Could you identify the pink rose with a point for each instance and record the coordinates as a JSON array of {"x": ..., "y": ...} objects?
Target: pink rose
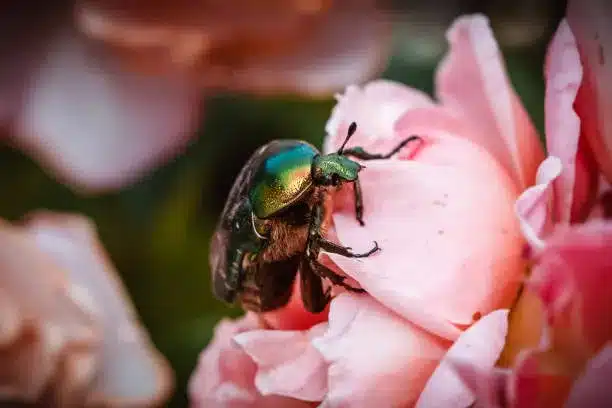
[
  {"x": 69, "y": 334},
  {"x": 443, "y": 213},
  {"x": 100, "y": 92},
  {"x": 558, "y": 347}
]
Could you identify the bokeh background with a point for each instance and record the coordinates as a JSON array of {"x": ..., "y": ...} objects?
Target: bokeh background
[{"x": 157, "y": 230}]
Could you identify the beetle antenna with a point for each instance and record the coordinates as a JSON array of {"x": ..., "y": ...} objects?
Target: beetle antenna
[{"x": 351, "y": 131}]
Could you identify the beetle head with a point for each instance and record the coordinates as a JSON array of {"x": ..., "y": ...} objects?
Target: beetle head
[{"x": 334, "y": 169}]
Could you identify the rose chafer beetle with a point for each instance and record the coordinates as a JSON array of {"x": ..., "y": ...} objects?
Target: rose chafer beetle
[{"x": 273, "y": 222}]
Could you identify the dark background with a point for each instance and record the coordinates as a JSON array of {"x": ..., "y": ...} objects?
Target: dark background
[{"x": 157, "y": 231}]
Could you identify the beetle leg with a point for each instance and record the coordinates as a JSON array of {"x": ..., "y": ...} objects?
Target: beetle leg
[
  {"x": 358, "y": 202},
  {"x": 334, "y": 278},
  {"x": 312, "y": 248},
  {"x": 359, "y": 153},
  {"x": 311, "y": 288},
  {"x": 317, "y": 242},
  {"x": 344, "y": 251},
  {"x": 230, "y": 284}
]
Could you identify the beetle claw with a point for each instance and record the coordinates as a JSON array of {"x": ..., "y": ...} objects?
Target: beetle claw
[{"x": 370, "y": 252}]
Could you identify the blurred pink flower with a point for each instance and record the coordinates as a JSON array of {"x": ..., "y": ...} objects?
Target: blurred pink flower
[
  {"x": 101, "y": 92},
  {"x": 69, "y": 334},
  {"x": 443, "y": 266}
]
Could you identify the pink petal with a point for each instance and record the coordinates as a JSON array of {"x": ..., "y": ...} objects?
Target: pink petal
[
  {"x": 23, "y": 36},
  {"x": 225, "y": 374},
  {"x": 375, "y": 108},
  {"x": 12, "y": 324},
  {"x": 377, "y": 359},
  {"x": 534, "y": 207},
  {"x": 573, "y": 277},
  {"x": 131, "y": 370},
  {"x": 441, "y": 262},
  {"x": 472, "y": 80},
  {"x": 537, "y": 380},
  {"x": 479, "y": 346},
  {"x": 42, "y": 321},
  {"x": 334, "y": 56},
  {"x": 563, "y": 77},
  {"x": 603, "y": 204},
  {"x": 287, "y": 363},
  {"x": 294, "y": 316},
  {"x": 488, "y": 386},
  {"x": 589, "y": 22},
  {"x": 592, "y": 389},
  {"x": 99, "y": 127}
]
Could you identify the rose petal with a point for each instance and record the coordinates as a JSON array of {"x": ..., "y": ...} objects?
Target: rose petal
[
  {"x": 603, "y": 204},
  {"x": 294, "y": 316},
  {"x": 22, "y": 36},
  {"x": 69, "y": 380},
  {"x": 534, "y": 207},
  {"x": 187, "y": 35},
  {"x": 526, "y": 328},
  {"x": 592, "y": 389},
  {"x": 577, "y": 182},
  {"x": 132, "y": 371},
  {"x": 376, "y": 358},
  {"x": 433, "y": 242},
  {"x": 225, "y": 374},
  {"x": 287, "y": 364},
  {"x": 10, "y": 319},
  {"x": 334, "y": 56},
  {"x": 573, "y": 278},
  {"x": 51, "y": 320},
  {"x": 539, "y": 379},
  {"x": 97, "y": 126},
  {"x": 479, "y": 346},
  {"x": 488, "y": 386},
  {"x": 273, "y": 47},
  {"x": 375, "y": 108},
  {"x": 589, "y": 22},
  {"x": 472, "y": 80}
]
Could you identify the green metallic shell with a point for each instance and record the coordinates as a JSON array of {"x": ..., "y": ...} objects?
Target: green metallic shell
[
  {"x": 235, "y": 232},
  {"x": 283, "y": 178}
]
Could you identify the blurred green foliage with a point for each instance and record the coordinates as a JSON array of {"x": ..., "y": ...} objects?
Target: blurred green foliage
[{"x": 158, "y": 230}]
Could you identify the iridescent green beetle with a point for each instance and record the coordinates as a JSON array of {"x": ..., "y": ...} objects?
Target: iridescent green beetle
[{"x": 273, "y": 221}]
